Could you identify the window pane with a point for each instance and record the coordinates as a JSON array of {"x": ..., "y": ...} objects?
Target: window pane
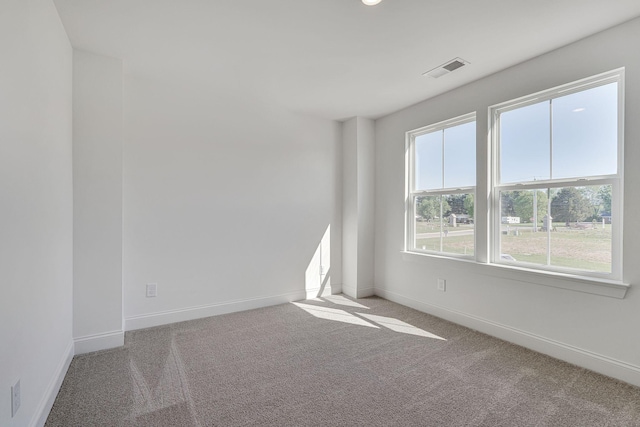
[
  {"x": 460, "y": 156},
  {"x": 523, "y": 225},
  {"x": 578, "y": 236},
  {"x": 524, "y": 144},
  {"x": 428, "y": 167},
  {"x": 445, "y": 224},
  {"x": 585, "y": 133},
  {"x": 458, "y": 230},
  {"x": 428, "y": 226},
  {"x": 581, "y": 237}
]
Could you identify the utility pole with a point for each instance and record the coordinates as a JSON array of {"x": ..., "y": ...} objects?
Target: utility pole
[{"x": 535, "y": 209}]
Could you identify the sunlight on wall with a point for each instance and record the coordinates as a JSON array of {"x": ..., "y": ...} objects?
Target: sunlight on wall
[{"x": 317, "y": 278}]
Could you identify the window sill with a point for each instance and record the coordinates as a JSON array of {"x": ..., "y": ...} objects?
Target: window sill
[{"x": 590, "y": 285}]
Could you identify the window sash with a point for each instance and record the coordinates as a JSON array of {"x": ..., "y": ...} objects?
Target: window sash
[
  {"x": 615, "y": 76},
  {"x": 615, "y": 180},
  {"x": 444, "y": 191},
  {"x": 411, "y": 137},
  {"x": 411, "y": 224},
  {"x": 558, "y": 183},
  {"x": 497, "y": 248},
  {"x": 412, "y": 193}
]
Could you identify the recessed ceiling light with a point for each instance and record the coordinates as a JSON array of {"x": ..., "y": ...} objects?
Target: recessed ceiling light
[
  {"x": 371, "y": 2},
  {"x": 579, "y": 110}
]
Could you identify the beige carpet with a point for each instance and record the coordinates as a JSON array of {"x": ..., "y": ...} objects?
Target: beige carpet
[{"x": 332, "y": 362}]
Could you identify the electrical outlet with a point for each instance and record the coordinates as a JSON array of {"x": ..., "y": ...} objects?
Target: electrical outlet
[
  {"x": 15, "y": 398},
  {"x": 442, "y": 285},
  {"x": 152, "y": 290}
]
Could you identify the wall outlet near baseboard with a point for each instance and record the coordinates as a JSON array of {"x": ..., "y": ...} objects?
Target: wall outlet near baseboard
[
  {"x": 15, "y": 398},
  {"x": 442, "y": 285},
  {"x": 152, "y": 290}
]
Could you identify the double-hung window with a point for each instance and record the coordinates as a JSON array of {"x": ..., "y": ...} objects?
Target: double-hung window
[
  {"x": 557, "y": 179},
  {"x": 441, "y": 165}
]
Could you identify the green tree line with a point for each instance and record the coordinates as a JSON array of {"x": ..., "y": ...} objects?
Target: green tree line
[
  {"x": 428, "y": 207},
  {"x": 569, "y": 204}
]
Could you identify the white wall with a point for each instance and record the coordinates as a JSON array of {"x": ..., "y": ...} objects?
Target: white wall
[
  {"x": 226, "y": 201},
  {"x": 350, "y": 207},
  {"x": 590, "y": 330},
  {"x": 36, "y": 201},
  {"x": 358, "y": 152},
  {"x": 366, "y": 206},
  {"x": 97, "y": 200}
]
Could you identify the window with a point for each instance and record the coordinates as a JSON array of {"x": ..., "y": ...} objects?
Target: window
[
  {"x": 557, "y": 179},
  {"x": 441, "y": 166}
]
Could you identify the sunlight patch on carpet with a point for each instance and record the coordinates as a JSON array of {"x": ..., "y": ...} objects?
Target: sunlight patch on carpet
[
  {"x": 340, "y": 300},
  {"x": 333, "y": 314},
  {"x": 399, "y": 326}
]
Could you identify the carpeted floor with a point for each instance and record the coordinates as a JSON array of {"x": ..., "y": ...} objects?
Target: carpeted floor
[{"x": 332, "y": 362}]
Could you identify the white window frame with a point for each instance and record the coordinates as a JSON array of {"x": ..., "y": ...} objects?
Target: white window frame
[
  {"x": 616, "y": 180},
  {"x": 411, "y": 193}
]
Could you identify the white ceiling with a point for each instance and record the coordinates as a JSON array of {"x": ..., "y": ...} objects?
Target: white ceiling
[{"x": 330, "y": 58}]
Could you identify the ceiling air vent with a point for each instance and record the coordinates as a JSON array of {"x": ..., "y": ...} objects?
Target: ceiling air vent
[{"x": 446, "y": 68}]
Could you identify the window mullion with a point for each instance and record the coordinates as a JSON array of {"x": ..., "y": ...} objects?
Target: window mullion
[
  {"x": 549, "y": 227},
  {"x": 549, "y": 217},
  {"x": 442, "y": 148},
  {"x": 441, "y": 224},
  {"x": 551, "y": 139}
]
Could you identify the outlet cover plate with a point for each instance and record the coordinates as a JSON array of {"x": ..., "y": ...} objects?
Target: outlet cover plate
[
  {"x": 152, "y": 290},
  {"x": 442, "y": 285}
]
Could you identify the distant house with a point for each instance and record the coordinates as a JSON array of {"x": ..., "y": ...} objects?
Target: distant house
[
  {"x": 464, "y": 219},
  {"x": 607, "y": 217},
  {"x": 511, "y": 220}
]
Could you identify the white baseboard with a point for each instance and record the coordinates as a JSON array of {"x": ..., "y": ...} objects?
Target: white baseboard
[
  {"x": 349, "y": 291},
  {"x": 316, "y": 292},
  {"x": 45, "y": 405},
  {"x": 366, "y": 292},
  {"x": 97, "y": 342},
  {"x": 358, "y": 293},
  {"x": 595, "y": 362},
  {"x": 191, "y": 313},
  {"x": 327, "y": 290},
  {"x": 336, "y": 288}
]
